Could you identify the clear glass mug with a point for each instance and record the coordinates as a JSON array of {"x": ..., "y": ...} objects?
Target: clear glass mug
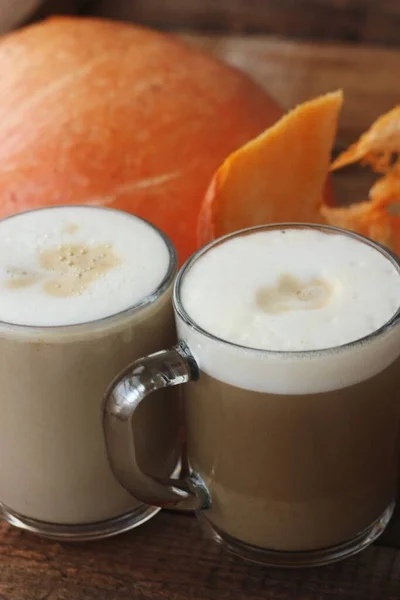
[
  {"x": 293, "y": 480},
  {"x": 55, "y": 479}
]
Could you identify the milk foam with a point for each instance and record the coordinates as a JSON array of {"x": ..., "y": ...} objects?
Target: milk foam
[
  {"x": 70, "y": 265},
  {"x": 291, "y": 291}
]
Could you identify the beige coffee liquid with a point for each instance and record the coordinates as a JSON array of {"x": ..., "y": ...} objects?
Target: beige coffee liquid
[
  {"x": 65, "y": 276},
  {"x": 290, "y": 475},
  {"x": 298, "y": 448}
]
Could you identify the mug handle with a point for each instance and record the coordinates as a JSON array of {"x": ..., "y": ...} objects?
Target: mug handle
[{"x": 130, "y": 388}]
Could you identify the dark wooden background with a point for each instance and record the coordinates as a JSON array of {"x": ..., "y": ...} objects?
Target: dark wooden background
[{"x": 358, "y": 21}]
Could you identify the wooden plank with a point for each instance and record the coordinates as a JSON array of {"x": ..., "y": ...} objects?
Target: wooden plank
[
  {"x": 365, "y": 21},
  {"x": 171, "y": 559},
  {"x": 293, "y": 72},
  {"x": 64, "y": 7}
]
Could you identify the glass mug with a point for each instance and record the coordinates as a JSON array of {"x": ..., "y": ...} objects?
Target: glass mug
[
  {"x": 55, "y": 479},
  {"x": 293, "y": 479}
]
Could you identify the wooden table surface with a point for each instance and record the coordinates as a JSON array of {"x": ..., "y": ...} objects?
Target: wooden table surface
[{"x": 170, "y": 558}]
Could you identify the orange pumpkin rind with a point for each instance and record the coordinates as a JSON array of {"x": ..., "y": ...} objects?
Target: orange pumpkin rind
[
  {"x": 379, "y": 149},
  {"x": 278, "y": 176}
]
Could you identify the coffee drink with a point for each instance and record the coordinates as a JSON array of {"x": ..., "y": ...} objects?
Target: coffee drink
[
  {"x": 84, "y": 291},
  {"x": 273, "y": 482},
  {"x": 293, "y": 424},
  {"x": 289, "y": 352}
]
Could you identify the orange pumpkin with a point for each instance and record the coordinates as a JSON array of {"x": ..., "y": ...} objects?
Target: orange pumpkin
[{"x": 104, "y": 113}]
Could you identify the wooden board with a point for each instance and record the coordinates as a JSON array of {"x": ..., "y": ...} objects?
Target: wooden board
[
  {"x": 171, "y": 559},
  {"x": 368, "y": 21},
  {"x": 293, "y": 72}
]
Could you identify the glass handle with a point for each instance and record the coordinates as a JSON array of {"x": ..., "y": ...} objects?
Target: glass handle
[{"x": 154, "y": 372}]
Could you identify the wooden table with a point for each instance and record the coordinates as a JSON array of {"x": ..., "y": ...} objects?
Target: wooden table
[{"x": 170, "y": 558}]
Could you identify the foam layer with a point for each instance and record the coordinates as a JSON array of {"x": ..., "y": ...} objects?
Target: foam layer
[
  {"x": 70, "y": 265},
  {"x": 293, "y": 291}
]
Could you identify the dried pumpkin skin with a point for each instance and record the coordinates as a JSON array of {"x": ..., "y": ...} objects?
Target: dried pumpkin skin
[
  {"x": 379, "y": 149},
  {"x": 279, "y": 176}
]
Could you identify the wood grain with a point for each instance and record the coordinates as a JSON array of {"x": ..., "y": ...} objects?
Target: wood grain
[
  {"x": 60, "y": 7},
  {"x": 293, "y": 72},
  {"x": 368, "y": 21},
  {"x": 170, "y": 558}
]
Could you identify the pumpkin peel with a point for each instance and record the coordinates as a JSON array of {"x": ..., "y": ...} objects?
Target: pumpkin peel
[
  {"x": 280, "y": 175},
  {"x": 251, "y": 187},
  {"x": 377, "y": 217},
  {"x": 378, "y": 147}
]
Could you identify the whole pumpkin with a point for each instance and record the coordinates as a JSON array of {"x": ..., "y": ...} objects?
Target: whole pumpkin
[{"x": 109, "y": 114}]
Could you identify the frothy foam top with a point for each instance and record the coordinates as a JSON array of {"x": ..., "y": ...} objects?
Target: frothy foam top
[
  {"x": 70, "y": 265},
  {"x": 292, "y": 291}
]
